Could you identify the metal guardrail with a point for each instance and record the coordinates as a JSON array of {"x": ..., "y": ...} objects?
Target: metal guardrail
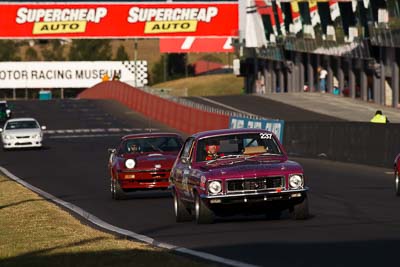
[{"x": 189, "y": 103}]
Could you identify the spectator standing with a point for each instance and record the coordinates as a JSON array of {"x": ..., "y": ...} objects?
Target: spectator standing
[
  {"x": 323, "y": 73},
  {"x": 379, "y": 117}
]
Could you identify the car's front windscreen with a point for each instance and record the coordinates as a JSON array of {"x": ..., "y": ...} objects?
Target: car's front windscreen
[
  {"x": 152, "y": 144},
  {"x": 236, "y": 146},
  {"x": 14, "y": 125}
]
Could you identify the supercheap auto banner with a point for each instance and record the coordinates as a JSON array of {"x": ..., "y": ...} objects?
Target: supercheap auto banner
[{"x": 119, "y": 20}]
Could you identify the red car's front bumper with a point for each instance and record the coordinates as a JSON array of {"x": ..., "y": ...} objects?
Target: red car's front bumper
[{"x": 146, "y": 179}]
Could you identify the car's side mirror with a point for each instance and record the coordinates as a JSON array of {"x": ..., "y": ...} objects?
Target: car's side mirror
[{"x": 43, "y": 127}]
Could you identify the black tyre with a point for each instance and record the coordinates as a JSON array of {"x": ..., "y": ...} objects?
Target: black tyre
[
  {"x": 300, "y": 210},
  {"x": 116, "y": 191},
  {"x": 202, "y": 212},
  {"x": 397, "y": 182},
  {"x": 182, "y": 214}
]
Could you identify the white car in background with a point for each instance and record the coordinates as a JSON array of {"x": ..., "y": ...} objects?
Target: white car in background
[{"x": 22, "y": 133}]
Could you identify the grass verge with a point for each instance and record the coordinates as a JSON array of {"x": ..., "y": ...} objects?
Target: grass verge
[
  {"x": 207, "y": 85},
  {"x": 35, "y": 232}
]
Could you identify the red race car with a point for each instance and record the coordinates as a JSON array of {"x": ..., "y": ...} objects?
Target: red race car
[
  {"x": 396, "y": 174},
  {"x": 225, "y": 172},
  {"x": 142, "y": 161}
]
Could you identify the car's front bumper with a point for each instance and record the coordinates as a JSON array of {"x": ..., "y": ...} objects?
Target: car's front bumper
[
  {"x": 265, "y": 196},
  {"x": 22, "y": 143},
  {"x": 146, "y": 179}
]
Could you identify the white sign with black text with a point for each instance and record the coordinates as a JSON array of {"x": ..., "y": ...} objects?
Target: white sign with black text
[{"x": 69, "y": 74}]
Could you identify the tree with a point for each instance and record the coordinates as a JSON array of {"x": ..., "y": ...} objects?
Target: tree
[
  {"x": 121, "y": 54},
  {"x": 176, "y": 65},
  {"x": 157, "y": 72},
  {"x": 54, "y": 51},
  {"x": 9, "y": 51},
  {"x": 93, "y": 49},
  {"x": 31, "y": 54}
]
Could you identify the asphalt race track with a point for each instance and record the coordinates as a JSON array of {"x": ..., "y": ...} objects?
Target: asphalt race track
[
  {"x": 262, "y": 107},
  {"x": 355, "y": 214}
]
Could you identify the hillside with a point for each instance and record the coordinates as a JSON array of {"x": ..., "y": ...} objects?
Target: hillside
[{"x": 216, "y": 84}]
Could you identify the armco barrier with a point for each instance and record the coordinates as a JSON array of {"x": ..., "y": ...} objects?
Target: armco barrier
[
  {"x": 183, "y": 118},
  {"x": 357, "y": 142}
]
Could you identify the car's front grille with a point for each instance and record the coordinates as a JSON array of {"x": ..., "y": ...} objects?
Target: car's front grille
[
  {"x": 254, "y": 184},
  {"x": 22, "y": 137}
]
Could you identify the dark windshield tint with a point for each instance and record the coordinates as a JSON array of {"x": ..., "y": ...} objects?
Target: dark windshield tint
[
  {"x": 153, "y": 144},
  {"x": 236, "y": 145},
  {"x": 22, "y": 125}
]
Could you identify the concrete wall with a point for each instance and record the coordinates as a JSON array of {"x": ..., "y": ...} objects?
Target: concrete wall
[{"x": 186, "y": 119}]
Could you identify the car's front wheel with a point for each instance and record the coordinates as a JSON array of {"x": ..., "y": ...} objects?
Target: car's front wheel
[
  {"x": 182, "y": 214},
  {"x": 396, "y": 182},
  {"x": 116, "y": 191},
  {"x": 203, "y": 213},
  {"x": 300, "y": 210}
]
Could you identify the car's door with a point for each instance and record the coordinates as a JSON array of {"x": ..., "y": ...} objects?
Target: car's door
[{"x": 182, "y": 167}]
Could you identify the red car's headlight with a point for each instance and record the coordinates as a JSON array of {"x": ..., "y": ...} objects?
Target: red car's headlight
[{"x": 130, "y": 163}]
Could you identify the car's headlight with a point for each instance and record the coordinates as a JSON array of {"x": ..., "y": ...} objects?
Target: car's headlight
[
  {"x": 214, "y": 187},
  {"x": 35, "y": 136},
  {"x": 8, "y": 137},
  {"x": 130, "y": 163},
  {"x": 296, "y": 181}
]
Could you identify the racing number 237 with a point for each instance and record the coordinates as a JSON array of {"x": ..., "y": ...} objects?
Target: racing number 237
[{"x": 265, "y": 136}]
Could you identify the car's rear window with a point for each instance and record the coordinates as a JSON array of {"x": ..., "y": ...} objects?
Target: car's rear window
[
  {"x": 152, "y": 144},
  {"x": 12, "y": 125},
  {"x": 237, "y": 145}
]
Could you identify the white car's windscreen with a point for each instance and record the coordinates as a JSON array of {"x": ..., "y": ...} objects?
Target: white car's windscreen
[{"x": 22, "y": 125}]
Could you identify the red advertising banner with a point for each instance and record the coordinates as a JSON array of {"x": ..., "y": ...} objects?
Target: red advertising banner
[
  {"x": 141, "y": 20},
  {"x": 196, "y": 45}
]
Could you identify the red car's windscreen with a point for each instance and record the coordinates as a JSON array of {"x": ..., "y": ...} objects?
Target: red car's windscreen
[{"x": 152, "y": 144}]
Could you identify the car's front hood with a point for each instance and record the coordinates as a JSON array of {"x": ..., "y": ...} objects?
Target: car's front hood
[
  {"x": 150, "y": 160},
  {"x": 251, "y": 168},
  {"x": 21, "y": 132}
]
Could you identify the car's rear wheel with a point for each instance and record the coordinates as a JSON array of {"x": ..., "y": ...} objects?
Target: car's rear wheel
[
  {"x": 203, "y": 213},
  {"x": 116, "y": 191},
  {"x": 182, "y": 214},
  {"x": 397, "y": 181},
  {"x": 300, "y": 210}
]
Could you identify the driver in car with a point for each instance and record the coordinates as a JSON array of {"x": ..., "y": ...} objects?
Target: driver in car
[
  {"x": 212, "y": 152},
  {"x": 134, "y": 148}
]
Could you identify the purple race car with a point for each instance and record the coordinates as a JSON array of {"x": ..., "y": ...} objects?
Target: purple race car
[{"x": 225, "y": 172}]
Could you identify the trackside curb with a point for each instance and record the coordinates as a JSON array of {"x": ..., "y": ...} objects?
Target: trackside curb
[{"x": 100, "y": 223}]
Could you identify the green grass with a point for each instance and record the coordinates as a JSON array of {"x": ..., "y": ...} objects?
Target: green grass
[
  {"x": 207, "y": 85},
  {"x": 35, "y": 232}
]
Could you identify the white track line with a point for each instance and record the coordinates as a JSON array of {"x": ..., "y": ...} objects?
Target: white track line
[{"x": 95, "y": 220}]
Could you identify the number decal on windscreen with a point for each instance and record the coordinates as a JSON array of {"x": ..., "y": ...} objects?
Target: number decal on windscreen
[{"x": 266, "y": 135}]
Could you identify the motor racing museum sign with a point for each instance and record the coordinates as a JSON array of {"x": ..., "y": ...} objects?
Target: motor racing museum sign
[
  {"x": 119, "y": 20},
  {"x": 70, "y": 74}
]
